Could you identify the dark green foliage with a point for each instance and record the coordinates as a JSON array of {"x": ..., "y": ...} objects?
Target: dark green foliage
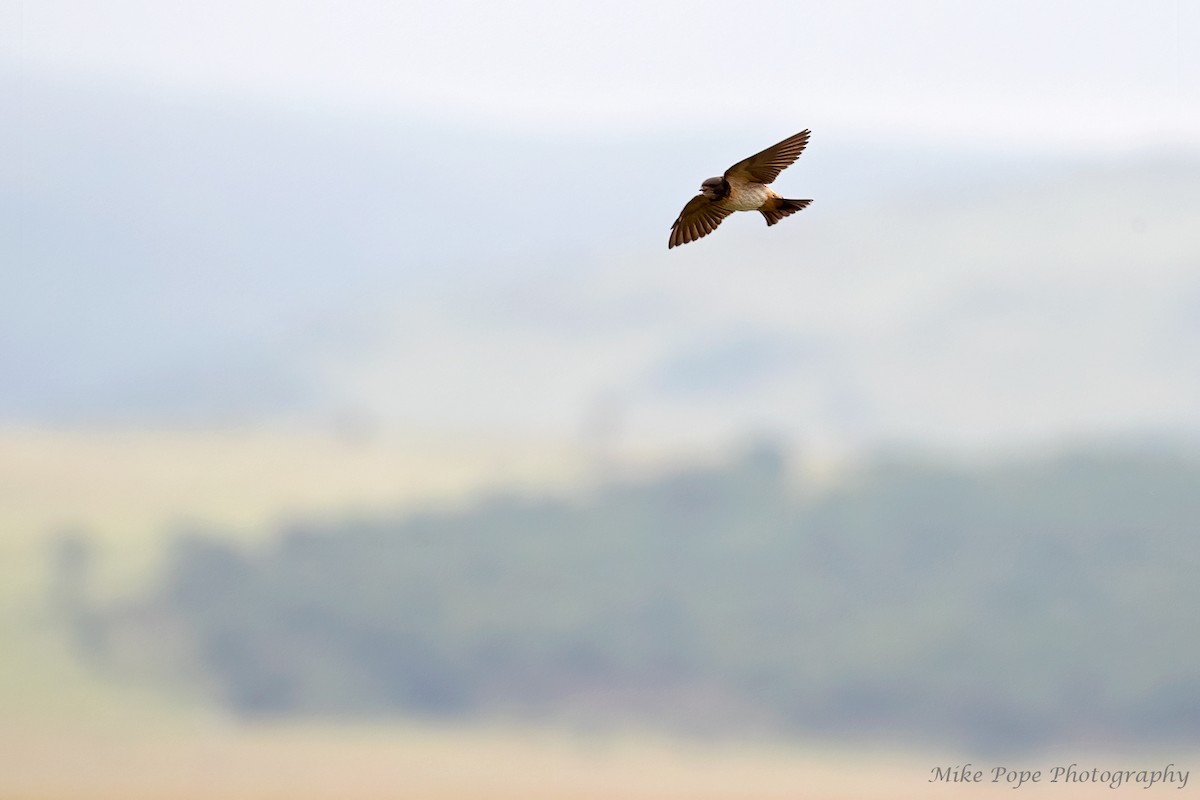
[{"x": 1002, "y": 607}]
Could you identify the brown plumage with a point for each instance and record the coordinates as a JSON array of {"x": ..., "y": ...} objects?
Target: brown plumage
[{"x": 742, "y": 188}]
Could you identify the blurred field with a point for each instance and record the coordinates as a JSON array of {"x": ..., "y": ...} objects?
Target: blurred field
[
  {"x": 444, "y": 763},
  {"x": 68, "y": 731}
]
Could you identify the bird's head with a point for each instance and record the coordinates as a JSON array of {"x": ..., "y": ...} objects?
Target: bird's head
[{"x": 711, "y": 188}]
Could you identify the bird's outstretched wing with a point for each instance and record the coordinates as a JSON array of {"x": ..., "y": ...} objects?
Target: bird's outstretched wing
[
  {"x": 765, "y": 167},
  {"x": 699, "y": 217}
]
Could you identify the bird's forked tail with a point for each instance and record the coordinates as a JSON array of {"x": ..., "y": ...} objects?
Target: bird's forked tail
[{"x": 776, "y": 208}]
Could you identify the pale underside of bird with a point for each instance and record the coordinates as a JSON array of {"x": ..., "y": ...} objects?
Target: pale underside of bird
[{"x": 743, "y": 187}]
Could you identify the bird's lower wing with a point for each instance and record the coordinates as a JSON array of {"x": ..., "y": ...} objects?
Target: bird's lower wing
[{"x": 699, "y": 217}]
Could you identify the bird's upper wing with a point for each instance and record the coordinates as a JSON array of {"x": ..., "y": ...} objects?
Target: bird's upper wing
[
  {"x": 765, "y": 167},
  {"x": 699, "y": 217}
]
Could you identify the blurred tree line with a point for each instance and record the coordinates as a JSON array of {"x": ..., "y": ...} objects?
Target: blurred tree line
[{"x": 1004, "y": 606}]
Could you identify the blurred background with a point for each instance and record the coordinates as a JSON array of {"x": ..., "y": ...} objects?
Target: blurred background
[{"x": 358, "y": 432}]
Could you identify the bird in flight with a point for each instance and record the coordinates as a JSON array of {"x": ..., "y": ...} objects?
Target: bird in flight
[{"x": 742, "y": 188}]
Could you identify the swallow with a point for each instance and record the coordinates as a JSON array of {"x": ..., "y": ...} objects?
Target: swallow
[{"x": 742, "y": 188}]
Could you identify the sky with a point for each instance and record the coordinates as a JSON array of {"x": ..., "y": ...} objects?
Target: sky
[
  {"x": 219, "y": 219},
  {"x": 1099, "y": 74},
  {"x": 447, "y": 221}
]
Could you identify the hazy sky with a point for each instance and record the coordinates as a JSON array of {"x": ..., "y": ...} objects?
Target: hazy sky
[
  {"x": 1063, "y": 73},
  {"x": 1042, "y": 292}
]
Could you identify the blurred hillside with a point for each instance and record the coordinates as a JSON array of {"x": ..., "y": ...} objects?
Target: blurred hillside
[
  {"x": 1018, "y": 605},
  {"x": 359, "y": 435}
]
